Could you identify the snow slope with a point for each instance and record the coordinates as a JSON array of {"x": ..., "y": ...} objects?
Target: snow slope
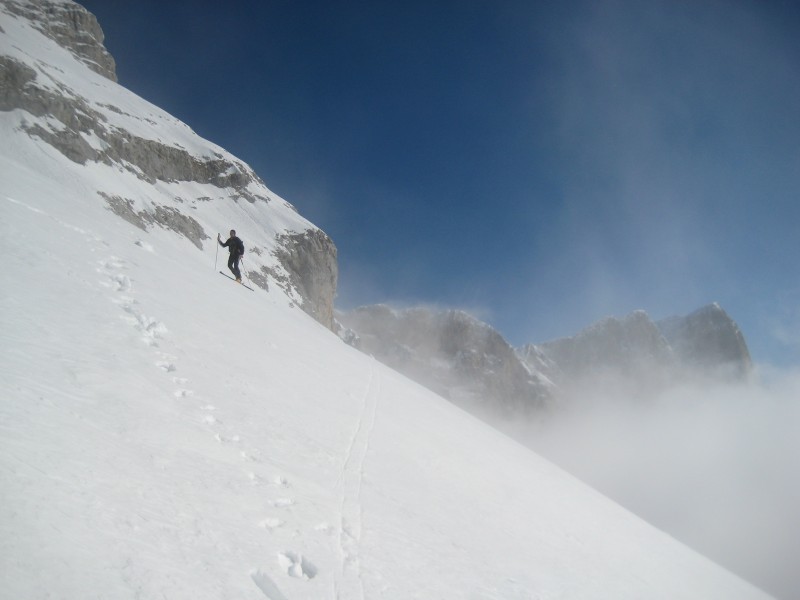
[{"x": 169, "y": 434}]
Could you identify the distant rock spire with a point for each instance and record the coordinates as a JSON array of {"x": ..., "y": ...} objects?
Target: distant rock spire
[{"x": 708, "y": 339}]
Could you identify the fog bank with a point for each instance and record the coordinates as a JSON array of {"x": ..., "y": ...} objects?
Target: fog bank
[{"x": 716, "y": 466}]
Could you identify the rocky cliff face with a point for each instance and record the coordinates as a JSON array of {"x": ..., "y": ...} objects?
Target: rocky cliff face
[
  {"x": 72, "y": 27},
  {"x": 629, "y": 350},
  {"x": 470, "y": 363},
  {"x": 708, "y": 341},
  {"x": 636, "y": 350},
  {"x": 57, "y": 86},
  {"x": 451, "y": 353},
  {"x": 310, "y": 261}
]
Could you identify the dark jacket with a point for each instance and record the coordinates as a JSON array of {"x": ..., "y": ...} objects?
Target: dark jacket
[{"x": 235, "y": 245}]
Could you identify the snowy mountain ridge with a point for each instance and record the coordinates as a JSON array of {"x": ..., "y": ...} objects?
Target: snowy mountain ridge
[
  {"x": 54, "y": 94},
  {"x": 168, "y": 434},
  {"x": 468, "y": 361}
]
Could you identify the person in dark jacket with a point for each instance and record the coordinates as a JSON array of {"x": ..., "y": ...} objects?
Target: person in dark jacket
[{"x": 235, "y": 249}]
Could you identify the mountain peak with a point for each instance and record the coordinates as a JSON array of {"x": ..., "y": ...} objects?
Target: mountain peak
[
  {"x": 72, "y": 27},
  {"x": 469, "y": 362},
  {"x": 708, "y": 339},
  {"x": 626, "y": 345}
]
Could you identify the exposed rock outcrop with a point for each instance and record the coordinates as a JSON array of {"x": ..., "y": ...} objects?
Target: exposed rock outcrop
[
  {"x": 84, "y": 135},
  {"x": 166, "y": 216},
  {"x": 637, "y": 351},
  {"x": 310, "y": 260},
  {"x": 451, "y": 353},
  {"x": 708, "y": 341},
  {"x": 72, "y": 27},
  {"x": 470, "y": 363},
  {"x": 630, "y": 350},
  {"x": 147, "y": 167}
]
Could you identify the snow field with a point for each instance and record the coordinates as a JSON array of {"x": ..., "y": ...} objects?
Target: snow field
[{"x": 168, "y": 434}]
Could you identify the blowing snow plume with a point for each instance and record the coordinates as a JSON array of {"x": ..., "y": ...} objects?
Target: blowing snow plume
[{"x": 715, "y": 465}]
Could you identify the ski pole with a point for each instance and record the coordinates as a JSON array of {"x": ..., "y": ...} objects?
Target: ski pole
[
  {"x": 244, "y": 271},
  {"x": 216, "y": 253}
]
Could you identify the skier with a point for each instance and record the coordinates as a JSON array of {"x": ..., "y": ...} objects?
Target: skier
[{"x": 236, "y": 250}]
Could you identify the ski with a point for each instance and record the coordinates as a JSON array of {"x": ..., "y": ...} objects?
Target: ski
[{"x": 240, "y": 283}]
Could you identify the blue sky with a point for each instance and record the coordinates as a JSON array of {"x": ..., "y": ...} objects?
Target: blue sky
[{"x": 540, "y": 164}]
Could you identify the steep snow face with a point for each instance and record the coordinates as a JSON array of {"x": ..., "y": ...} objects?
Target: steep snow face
[
  {"x": 126, "y": 156},
  {"x": 167, "y": 433}
]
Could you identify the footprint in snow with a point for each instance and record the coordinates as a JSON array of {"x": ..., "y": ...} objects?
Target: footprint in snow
[
  {"x": 126, "y": 302},
  {"x": 325, "y": 528},
  {"x": 166, "y": 366},
  {"x": 296, "y": 565},
  {"x": 254, "y": 478},
  {"x": 271, "y": 523},
  {"x": 210, "y": 419},
  {"x": 248, "y": 457},
  {"x": 122, "y": 282},
  {"x": 266, "y": 585},
  {"x": 183, "y": 393},
  {"x": 151, "y": 329},
  {"x": 145, "y": 246},
  {"x": 283, "y": 502},
  {"x": 112, "y": 263}
]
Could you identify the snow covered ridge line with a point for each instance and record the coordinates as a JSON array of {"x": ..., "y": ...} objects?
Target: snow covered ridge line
[
  {"x": 58, "y": 88},
  {"x": 469, "y": 362}
]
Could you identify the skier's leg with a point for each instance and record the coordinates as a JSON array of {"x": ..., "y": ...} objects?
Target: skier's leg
[
  {"x": 236, "y": 271},
  {"x": 232, "y": 264}
]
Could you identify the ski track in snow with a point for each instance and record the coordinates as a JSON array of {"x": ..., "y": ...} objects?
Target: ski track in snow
[{"x": 349, "y": 583}]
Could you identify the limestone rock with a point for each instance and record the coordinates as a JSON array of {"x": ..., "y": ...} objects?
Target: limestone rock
[
  {"x": 310, "y": 260},
  {"x": 452, "y": 353},
  {"x": 72, "y": 27},
  {"x": 709, "y": 340},
  {"x": 470, "y": 363},
  {"x": 58, "y": 87},
  {"x": 630, "y": 348}
]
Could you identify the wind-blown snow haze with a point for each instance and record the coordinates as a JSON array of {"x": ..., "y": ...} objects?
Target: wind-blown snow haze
[{"x": 715, "y": 465}]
